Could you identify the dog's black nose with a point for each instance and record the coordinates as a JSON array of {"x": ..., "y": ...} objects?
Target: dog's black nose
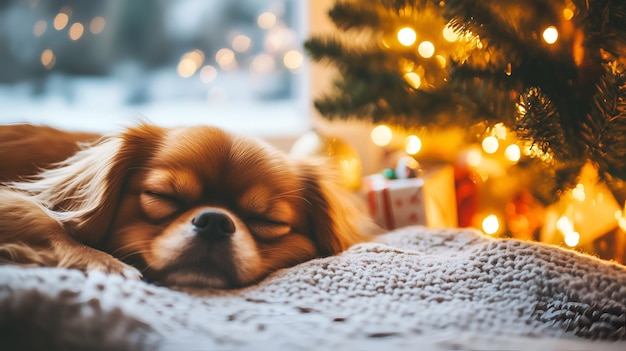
[{"x": 213, "y": 224}]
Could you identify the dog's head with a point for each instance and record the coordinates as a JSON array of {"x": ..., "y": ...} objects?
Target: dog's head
[{"x": 201, "y": 206}]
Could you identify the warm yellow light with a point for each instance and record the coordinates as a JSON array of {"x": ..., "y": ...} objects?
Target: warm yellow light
[
  {"x": 39, "y": 28},
  {"x": 474, "y": 158},
  {"x": 381, "y": 135},
  {"x": 550, "y": 35},
  {"x": 572, "y": 239},
  {"x": 578, "y": 193},
  {"x": 413, "y": 79},
  {"x": 61, "y": 20},
  {"x": 512, "y": 153},
  {"x": 491, "y": 224},
  {"x": 426, "y": 49},
  {"x": 189, "y": 63},
  {"x": 407, "y": 36},
  {"x": 241, "y": 43},
  {"x": 450, "y": 34},
  {"x": 186, "y": 68},
  {"x": 293, "y": 59},
  {"x": 568, "y": 14},
  {"x": 97, "y": 24},
  {"x": 76, "y": 31},
  {"x": 564, "y": 225},
  {"x": 225, "y": 58},
  {"x": 490, "y": 144},
  {"x": 500, "y": 131},
  {"x": 266, "y": 20},
  {"x": 208, "y": 74},
  {"x": 48, "y": 59},
  {"x": 412, "y": 144}
]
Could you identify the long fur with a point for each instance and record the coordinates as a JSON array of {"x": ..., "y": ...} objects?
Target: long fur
[{"x": 81, "y": 210}]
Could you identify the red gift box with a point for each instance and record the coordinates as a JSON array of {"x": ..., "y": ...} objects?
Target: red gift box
[{"x": 428, "y": 200}]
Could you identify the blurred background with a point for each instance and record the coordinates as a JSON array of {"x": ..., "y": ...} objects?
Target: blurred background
[{"x": 100, "y": 64}]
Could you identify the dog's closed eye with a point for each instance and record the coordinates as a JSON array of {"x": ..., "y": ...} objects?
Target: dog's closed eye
[
  {"x": 158, "y": 205},
  {"x": 268, "y": 229}
]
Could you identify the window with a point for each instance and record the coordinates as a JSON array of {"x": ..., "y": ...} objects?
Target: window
[{"x": 102, "y": 64}]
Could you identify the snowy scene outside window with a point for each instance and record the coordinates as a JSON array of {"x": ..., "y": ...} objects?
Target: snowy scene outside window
[{"x": 102, "y": 64}]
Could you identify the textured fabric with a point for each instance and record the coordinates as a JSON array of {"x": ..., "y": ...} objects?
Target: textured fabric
[{"x": 411, "y": 288}]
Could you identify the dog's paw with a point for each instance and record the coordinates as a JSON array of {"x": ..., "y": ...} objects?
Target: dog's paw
[{"x": 95, "y": 260}]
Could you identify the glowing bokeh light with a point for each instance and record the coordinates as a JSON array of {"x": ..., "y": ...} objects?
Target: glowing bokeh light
[
  {"x": 490, "y": 144},
  {"x": 225, "y": 58},
  {"x": 491, "y": 224},
  {"x": 381, "y": 135},
  {"x": 407, "y": 36},
  {"x": 293, "y": 59},
  {"x": 48, "y": 59},
  {"x": 97, "y": 25},
  {"x": 572, "y": 239},
  {"x": 413, "y": 79},
  {"x": 578, "y": 193},
  {"x": 76, "y": 31},
  {"x": 513, "y": 153},
  {"x": 449, "y": 34},
  {"x": 61, "y": 20},
  {"x": 550, "y": 35},
  {"x": 412, "y": 144},
  {"x": 426, "y": 49},
  {"x": 474, "y": 158},
  {"x": 241, "y": 43},
  {"x": 266, "y": 20},
  {"x": 568, "y": 14},
  {"x": 39, "y": 28}
]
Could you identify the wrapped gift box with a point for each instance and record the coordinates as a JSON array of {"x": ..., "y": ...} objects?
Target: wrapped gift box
[{"x": 428, "y": 200}]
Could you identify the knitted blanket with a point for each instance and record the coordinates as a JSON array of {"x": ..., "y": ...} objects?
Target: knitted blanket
[{"x": 413, "y": 288}]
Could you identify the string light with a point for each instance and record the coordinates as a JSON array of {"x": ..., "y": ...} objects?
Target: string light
[
  {"x": 578, "y": 193},
  {"x": 266, "y": 20},
  {"x": 225, "y": 58},
  {"x": 449, "y": 34},
  {"x": 97, "y": 24},
  {"x": 48, "y": 59},
  {"x": 426, "y": 49},
  {"x": 407, "y": 36},
  {"x": 61, "y": 20},
  {"x": 381, "y": 135},
  {"x": 241, "y": 43},
  {"x": 474, "y": 158},
  {"x": 491, "y": 224},
  {"x": 550, "y": 35},
  {"x": 568, "y": 14},
  {"x": 413, "y": 79},
  {"x": 39, "y": 28},
  {"x": 412, "y": 144},
  {"x": 513, "y": 153},
  {"x": 572, "y": 239},
  {"x": 293, "y": 59},
  {"x": 490, "y": 144},
  {"x": 76, "y": 31}
]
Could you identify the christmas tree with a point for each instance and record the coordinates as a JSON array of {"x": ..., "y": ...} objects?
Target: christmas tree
[{"x": 552, "y": 71}]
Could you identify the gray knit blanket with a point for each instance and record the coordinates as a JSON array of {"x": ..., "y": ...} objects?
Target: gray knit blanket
[{"x": 410, "y": 289}]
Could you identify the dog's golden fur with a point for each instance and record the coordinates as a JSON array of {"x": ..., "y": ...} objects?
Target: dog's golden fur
[{"x": 192, "y": 205}]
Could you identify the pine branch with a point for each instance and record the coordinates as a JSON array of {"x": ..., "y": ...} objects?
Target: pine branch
[
  {"x": 604, "y": 24},
  {"x": 605, "y": 129}
]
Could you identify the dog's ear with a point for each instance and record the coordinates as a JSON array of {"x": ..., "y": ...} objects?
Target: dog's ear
[
  {"x": 84, "y": 191},
  {"x": 337, "y": 219}
]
